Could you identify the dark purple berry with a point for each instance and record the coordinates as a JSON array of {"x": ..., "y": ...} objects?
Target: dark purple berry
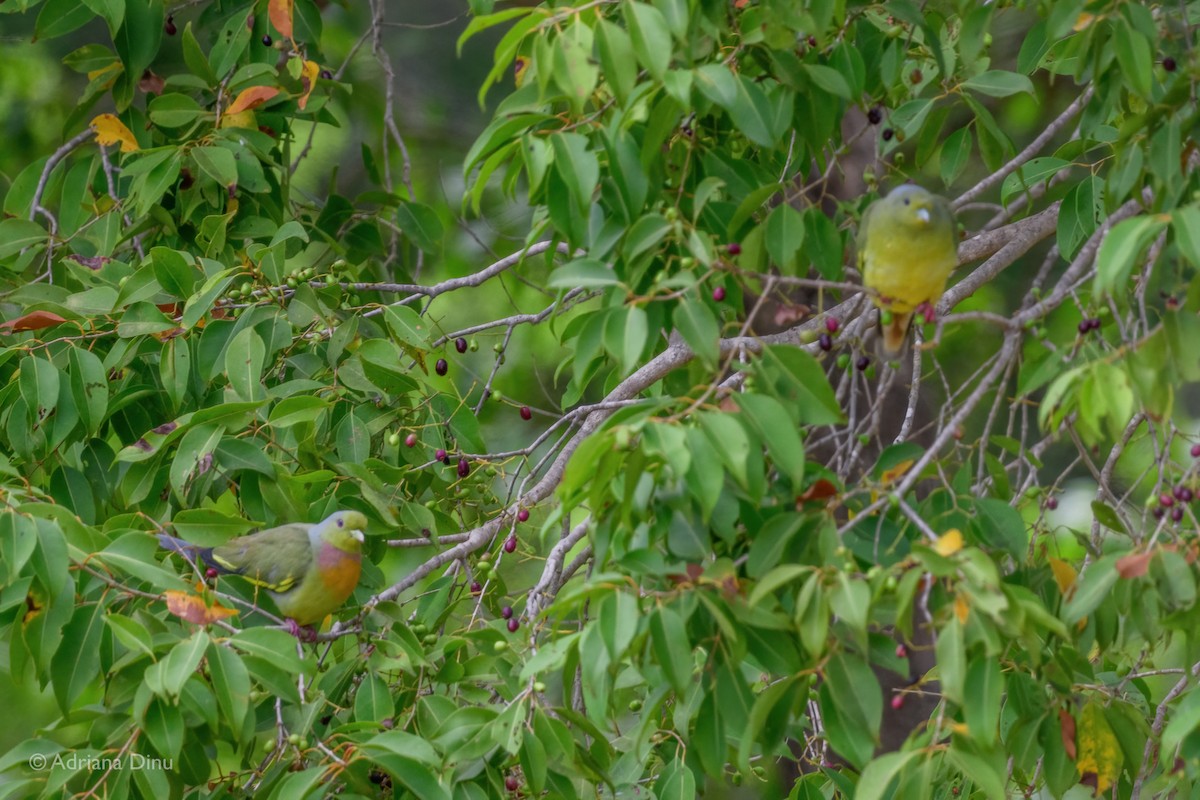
[
  {"x": 464, "y": 467},
  {"x": 1094, "y": 323},
  {"x": 874, "y": 116},
  {"x": 510, "y": 544},
  {"x": 832, "y": 324},
  {"x": 1051, "y": 503},
  {"x": 888, "y": 133},
  {"x": 410, "y": 440},
  {"x": 439, "y": 455},
  {"x": 718, "y": 293},
  {"x": 476, "y": 587},
  {"x": 513, "y": 624},
  {"x": 1158, "y": 512},
  {"x": 1169, "y": 64},
  {"x": 441, "y": 366},
  {"x": 326, "y": 75},
  {"x": 511, "y": 783},
  {"x": 1177, "y": 513},
  {"x": 506, "y": 612},
  {"x": 862, "y": 363},
  {"x": 733, "y": 248},
  {"x": 266, "y": 40},
  {"x": 1183, "y": 494},
  {"x": 825, "y": 342},
  {"x": 169, "y": 28},
  {"x": 812, "y": 41},
  {"x": 916, "y": 77},
  {"x": 1165, "y": 500},
  {"x": 526, "y": 413},
  {"x": 460, "y": 344},
  {"x": 1083, "y": 327},
  {"x": 522, "y": 515}
]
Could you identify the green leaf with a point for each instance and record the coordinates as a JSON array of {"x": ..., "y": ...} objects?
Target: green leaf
[
  {"x": 1107, "y": 517},
  {"x": 718, "y": 84},
  {"x": 373, "y": 702},
  {"x": 650, "y": 36},
  {"x": 615, "y": 49},
  {"x": 174, "y": 110},
  {"x": 985, "y": 686},
  {"x": 999, "y": 83},
  {"x": 784, "y": 236},
  {"x": 1031, "y": 174},
  {"x": 1135, "y": 56},
  {"x": 295, "y": 410},
  {"x": 774, "y": 426},
  {"x": 646, "y": 233},
  {"x": 577, "y": 166},
  {"x": 19, "y": 234},
  {"x": 174, "y": 270},
  {"x": 879, "y": 774},
  {"x": 697, "y": 324},
  {"x": 60, "y": 17},
  {"x": 195, "y": 59},
  {"x": 951, "y": 661},
  {"x": 231, "y": 684},
  {"x": 764, "y": 117},
  {"x": 829, "y": 79},
  {"x": 217, "y": 163},
  {"x": 39, "y": 381},
  {"x": 586, "y": 273},
  {"x": 421, "y": 224},
  {"x": 1121, "y": 248},
  {"x": 244, "y": 360},
  {"x": 76, "y": 663},
  {"x": 799, "y": 382},
  {"x": 574, "y": 70},
  {"x": 671, "y": 647}
]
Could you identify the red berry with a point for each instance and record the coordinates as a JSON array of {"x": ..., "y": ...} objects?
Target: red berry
[
  {"x": 211, "y": 572},
  {"x": 464, "y": 467},
  {"x": 1166, "y": 500},
  {"x": 510, "y": 544},
  {"x": 719, "y": 293},
  {"x": 825, "y": 342},
  {"x": 513, "y": 624},
  {"x": 897, "y": 701},
  {"x": 522, "y": 514},
  {"x": 832, "y": 324},
  {"x": 410, "y": 440},
  {"x": 812, "y": 41},
  {"x": 476, "y": 587},
  {"x": 526, "y": 413},
  {"x": 506, "y": 612},
  {"x": 733, "y": 248},
  {"x": 440, "y": 455},
  {"x": 916, "y": 77},
  {"x": 1051, "y": 503},
  {"x": 460, "y": 344},
  {"x": 511, "y": 783},
  {"x": 441, "y": 366},
  {"x": 1196, "y": 451},
  {"x": 901, "y": 651}
]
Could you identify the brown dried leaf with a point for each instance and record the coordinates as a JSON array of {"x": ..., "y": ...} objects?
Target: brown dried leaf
[
  {"x": 1134, "y": 565},
  {"x": 1068, "y": 732},
  {"x": 280, "y": 12}
]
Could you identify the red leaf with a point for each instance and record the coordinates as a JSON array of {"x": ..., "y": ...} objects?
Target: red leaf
[
  {"x": 1068, "y": 732},
  {"x": 250, "y": 98},
  {"x": 280, "y": 12},
  {"x": 1134, "y": 565},
  {"x": 33, "y": 321}
]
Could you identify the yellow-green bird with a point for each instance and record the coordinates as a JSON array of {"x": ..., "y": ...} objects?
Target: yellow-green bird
[
  {"x": 309, "y": 570},
  {"x": 907, "y": 248}
]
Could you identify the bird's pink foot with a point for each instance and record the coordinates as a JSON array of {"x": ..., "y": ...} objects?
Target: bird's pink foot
[
  {"x": 304, "y": 633},
  {"x": 926, "y": 311}
]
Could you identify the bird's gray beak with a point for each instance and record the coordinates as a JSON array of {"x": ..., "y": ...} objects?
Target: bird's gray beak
[
  {"x": 359, "y": 536},
  {"x": 923, "y": 215}
]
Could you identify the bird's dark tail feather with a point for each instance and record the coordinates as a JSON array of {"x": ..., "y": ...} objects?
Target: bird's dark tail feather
[{"x": 192, "y": 552}]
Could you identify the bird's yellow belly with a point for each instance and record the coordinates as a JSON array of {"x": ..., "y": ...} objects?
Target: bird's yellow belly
[{"x": 906, "y": 277}]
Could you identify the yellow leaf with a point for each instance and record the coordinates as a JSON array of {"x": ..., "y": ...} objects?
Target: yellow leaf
[
  {"x": 192, "y": 608},
  {"x": 961, "y": 609},
  {"x": 308, "y": 79},
  {"x": 895, "y": 472},
  {"x": 1084, "y": 21},
  {"x": 280, "y": 12},
  {"x": 949, "y": 542},
  {"x": 1064, "y": 574},
  {"x": 1099, "y": 752},
  {"x": 110, "y": 130}
]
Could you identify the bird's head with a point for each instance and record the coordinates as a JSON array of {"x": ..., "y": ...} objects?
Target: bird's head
[
  {"x": 345, "y": 528},
  {"x": 912, "y": 204}
]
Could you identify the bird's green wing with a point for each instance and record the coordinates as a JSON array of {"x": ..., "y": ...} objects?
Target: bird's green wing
[
  {"x": 276, "y": 558},
  {"x": 860, "y": 242}
]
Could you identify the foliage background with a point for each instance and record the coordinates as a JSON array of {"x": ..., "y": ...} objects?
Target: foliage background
[{"x": 748, "y": 562}]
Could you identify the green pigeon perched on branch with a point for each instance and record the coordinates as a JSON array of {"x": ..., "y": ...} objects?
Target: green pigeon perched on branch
[
  {"x": 309, "y": 570},
  {"x": 907, "y": 248}
]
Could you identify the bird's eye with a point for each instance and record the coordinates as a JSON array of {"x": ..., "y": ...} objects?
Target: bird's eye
[
  {"x": 341, "y": 523},
  {"x": 906, "y": 201}
]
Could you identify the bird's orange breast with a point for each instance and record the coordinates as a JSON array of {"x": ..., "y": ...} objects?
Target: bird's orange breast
[{"x": 339, "y": 571}]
